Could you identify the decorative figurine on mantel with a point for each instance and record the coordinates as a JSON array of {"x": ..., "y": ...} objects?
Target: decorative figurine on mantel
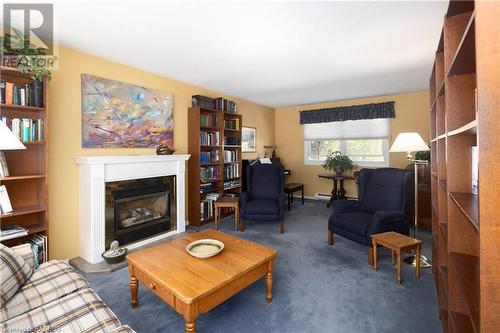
[
  {"x": 115, "y": 254},
  {"x": 165, "y": 150}
]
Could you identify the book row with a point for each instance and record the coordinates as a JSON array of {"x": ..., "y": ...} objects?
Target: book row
[
  {"x": 207, "y": 206},
  {"x": 232, "y": 184},
  {"x": 232, "y": 124},
  {"x": 232, "y": 140},
  {"x": 209, "y": 156},
  {"x": 231, "y": 171},
  {"x": 209, "y": 138},
  {"x": 208, "y": 187},
  {"x": 231, "y": 156},
  {"x": 225, "y": 105},
  {"x": 208, "y": 174},
  {"x": 26, "y": 129},
  {"x": 208, "y": 120},
  {"x": 26, "y": 95}
]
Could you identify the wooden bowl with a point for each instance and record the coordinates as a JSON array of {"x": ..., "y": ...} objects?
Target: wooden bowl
[{"x": 205, "y": 248}]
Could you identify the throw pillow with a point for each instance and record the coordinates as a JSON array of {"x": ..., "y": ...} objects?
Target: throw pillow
[{"x": 14, "y": 272}]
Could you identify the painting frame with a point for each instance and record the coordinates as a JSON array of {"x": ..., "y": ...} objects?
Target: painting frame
[
  {"x": 116, "y": 114},
  {"x": 248, "y": 139}
]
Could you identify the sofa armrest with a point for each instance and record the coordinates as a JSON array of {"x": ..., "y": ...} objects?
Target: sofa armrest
[
  {"x": 244, "y": 197},
  {"x": 26, "y": 252},
  {"x": 345, "y": 206},
  {"x": 384, "y": 220}
]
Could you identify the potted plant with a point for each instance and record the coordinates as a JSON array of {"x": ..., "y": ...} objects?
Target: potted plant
[{"x": 337, "y": 162}]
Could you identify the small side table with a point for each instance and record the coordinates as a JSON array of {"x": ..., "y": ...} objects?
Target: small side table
[
  {"x": 398, "y": 244},
  {"x": 290, "y": 188},
  {"x": 227, "y": 202},
  {"x": 337, "y": 193}
]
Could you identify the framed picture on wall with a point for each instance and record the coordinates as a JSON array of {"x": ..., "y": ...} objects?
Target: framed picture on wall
[{"x": 248, "y": 135}]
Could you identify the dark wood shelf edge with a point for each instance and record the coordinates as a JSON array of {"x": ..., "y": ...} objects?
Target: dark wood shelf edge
[{"x": 468, "y": 204}]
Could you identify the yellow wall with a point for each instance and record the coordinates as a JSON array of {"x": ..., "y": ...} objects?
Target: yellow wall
[
  {"x": 65, "y": 133},
  {"x": 411, "y": 116}
]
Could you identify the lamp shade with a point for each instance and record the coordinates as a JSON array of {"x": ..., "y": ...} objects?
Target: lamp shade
[
  {"x": 408, "y": 142},
  {"x": 8, "y": 140}
]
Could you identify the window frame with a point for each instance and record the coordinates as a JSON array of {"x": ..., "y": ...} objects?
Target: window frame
[{"x": 343, "y": 148}]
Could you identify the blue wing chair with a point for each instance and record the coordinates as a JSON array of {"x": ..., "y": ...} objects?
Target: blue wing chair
[
  {"x": 386, "y": 197},
  {"x": 265, "y": 195}
]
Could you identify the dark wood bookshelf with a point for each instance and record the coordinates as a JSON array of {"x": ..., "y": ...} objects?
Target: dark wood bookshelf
[
  {"x": 195, "y": 197},
  {"x": 27, "y": 183},
  {"x": 464, "y": 92}
]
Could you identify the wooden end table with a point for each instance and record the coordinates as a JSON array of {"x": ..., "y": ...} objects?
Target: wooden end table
[
  {"x": 227, "y": 202},
  {"x": 398, "y": 244},
  {"x": 193, "y": 286},
  {"x": 337, "y": 193}
]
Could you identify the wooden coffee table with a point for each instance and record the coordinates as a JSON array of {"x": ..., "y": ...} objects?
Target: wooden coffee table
[
  {"x": 193, "y": 286},
  {"x": 397, "y": 243}
]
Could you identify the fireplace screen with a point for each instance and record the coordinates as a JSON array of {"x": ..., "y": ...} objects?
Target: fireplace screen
[{"x": 137, "y": 209}]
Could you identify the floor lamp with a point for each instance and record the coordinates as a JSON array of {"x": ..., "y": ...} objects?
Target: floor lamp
[{"x": 408, "y": 143}]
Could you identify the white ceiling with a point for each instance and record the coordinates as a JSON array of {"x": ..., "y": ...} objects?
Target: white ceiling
[{"x": 272, "y": 53}]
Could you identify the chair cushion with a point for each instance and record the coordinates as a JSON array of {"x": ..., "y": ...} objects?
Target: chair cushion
[
  {"x": 14, "y": 272},
  {"x": 383, "y": 190},
  {"x": 355, "y": 222},
  {"x": 262, "y": 207},
  {"x": 82, "y": 311},
  {"x": 52, "y": 280}
]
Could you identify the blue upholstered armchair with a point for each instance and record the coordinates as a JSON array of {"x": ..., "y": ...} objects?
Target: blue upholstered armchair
[
  {"x": 385, "y": 203},
  {"x": 265, "y": 195}
]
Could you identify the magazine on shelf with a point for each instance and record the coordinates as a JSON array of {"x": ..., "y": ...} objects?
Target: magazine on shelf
[
  {"x": 5, "y": 206},
  {"x": 12, "y": 231}
]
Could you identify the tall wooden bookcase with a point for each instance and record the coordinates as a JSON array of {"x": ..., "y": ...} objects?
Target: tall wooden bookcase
[
  {"x": 465, "y": 99},
  {"x": 216, "y": 124},
  {"x": 27, "y": 183}
]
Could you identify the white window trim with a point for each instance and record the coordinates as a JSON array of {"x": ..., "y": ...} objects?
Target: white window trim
[{"x": 385, "y": 151}]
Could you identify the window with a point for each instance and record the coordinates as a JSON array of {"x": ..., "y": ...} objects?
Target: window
[{"x": 366, "y": 142}]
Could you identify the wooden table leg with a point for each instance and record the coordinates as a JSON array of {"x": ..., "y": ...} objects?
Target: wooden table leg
[
  {"x": 190, "y": 315},
  {"x": 236, "y": 218},
  {"x": 418, "y": 262},
  {"x": 269, "y": 282},
  {"x": 134, "y": 287},
  {"x": 334, "y": 194},
  {"x": 398, "y": 277},
  {"x": 392, "y": 257},
  {"x": 302, "y": 194},
  {"x": 216, "y": 218},
  {"x": 375, "y": 255}
]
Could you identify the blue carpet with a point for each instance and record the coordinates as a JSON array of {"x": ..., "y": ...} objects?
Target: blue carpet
[{"x": 317, "y": 288}]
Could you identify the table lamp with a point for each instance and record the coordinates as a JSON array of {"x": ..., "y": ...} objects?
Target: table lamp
[{"x": 408, "y": 143}]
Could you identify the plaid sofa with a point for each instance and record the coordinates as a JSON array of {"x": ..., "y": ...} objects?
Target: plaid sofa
[{"x": 56, "y": 298}]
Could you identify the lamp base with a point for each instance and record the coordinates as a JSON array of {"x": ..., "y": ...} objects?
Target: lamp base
[{"x": 412, "y": 260}]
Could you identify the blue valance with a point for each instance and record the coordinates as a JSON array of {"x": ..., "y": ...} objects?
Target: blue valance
[{"x": 354, "y": 112}]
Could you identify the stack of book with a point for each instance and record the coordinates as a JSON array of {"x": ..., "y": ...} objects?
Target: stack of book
[
  {"x": 25, "y": 95},
  {"x": 208, "y": 187},
  {"x": 207, "y": 206},
  {"x": 232, "y": 184},
  {"x": 208, "y": 120},
  {"x": 231, "y": 171},
  {"x": 230, "y": 156},
  {"x": 209, "y": 138},
  {"x": 25, "y": 129},
  {"x": 225, "y": 105},
  {"x": 12, "y": 231},
  {"x": 39, "y": 247},
  {"x": 232, "y": 124},
  {"x": 209, "y": 156},
  {"x": 232, "y": 140},
  {"x": 208, "y": 174}
]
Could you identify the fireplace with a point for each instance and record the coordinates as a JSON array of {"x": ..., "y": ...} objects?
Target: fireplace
[{"x": 139, "y": 208}]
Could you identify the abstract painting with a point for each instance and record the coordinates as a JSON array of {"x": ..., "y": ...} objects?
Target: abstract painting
[{"x": 121, "y": 115}]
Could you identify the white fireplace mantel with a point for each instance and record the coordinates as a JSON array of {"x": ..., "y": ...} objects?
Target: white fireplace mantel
[{"x": 95, "y": 171}]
